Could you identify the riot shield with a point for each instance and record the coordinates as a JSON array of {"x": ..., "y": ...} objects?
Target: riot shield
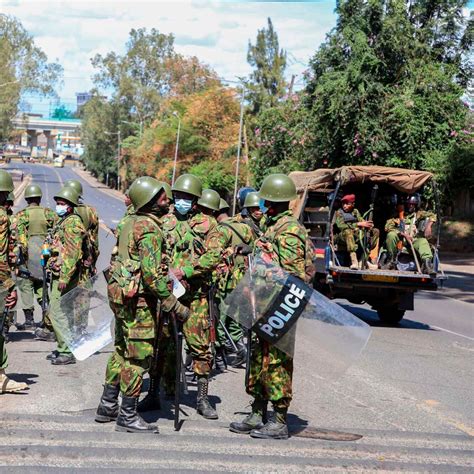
[
  {"x": 35, "y": 244},
  {"x": 296, "y": 319},
  {"x": 84, "y": 317}
]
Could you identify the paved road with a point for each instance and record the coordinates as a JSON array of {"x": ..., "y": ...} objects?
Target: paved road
[{"x": 410, "y": 395}]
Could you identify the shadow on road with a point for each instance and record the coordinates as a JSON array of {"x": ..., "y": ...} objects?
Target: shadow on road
[
  {"x": 27, "y": 378},
  {"x": 370, "y": 317}
]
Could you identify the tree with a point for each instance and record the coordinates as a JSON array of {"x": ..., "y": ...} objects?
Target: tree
[
  {"x": 62, "y": 112},
  {"x": 25, "y": 68},
  {"x": 267, "y": 83}
]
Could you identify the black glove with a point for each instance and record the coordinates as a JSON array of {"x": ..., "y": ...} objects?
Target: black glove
[{"x": 243, "y": 249}]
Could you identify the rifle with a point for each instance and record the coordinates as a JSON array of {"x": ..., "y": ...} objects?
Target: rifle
[
  {"x": 402, "y": 227},
  {"x": 370, "y": 217},
  {"x": 180, "y": 373}
]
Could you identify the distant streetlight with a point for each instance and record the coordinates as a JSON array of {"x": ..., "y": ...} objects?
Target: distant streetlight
[
  {"x": 176, "y": 148},
  {"x": 118, "y": 155}
]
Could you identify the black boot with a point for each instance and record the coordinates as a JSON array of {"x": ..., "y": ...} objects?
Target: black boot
[
  {"x": 203, "y": 406},
  {"x": 63, "y": 359},
  {"x": 29, "y": 323},
  {"x": 108, "y": 406},
  {"x": 152, "y": 400},
  {"x": 275, "y": 428},
  {"x": 241, "y": 356},
  {"x": 44, "y": 334},
  {"x": 254, "y": 421},
  {"x": 130, "y": 421},
  {"x": 220, "y": 360}
]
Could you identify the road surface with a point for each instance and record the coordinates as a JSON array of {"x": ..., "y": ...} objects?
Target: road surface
[{"x": 409, "y": 395}]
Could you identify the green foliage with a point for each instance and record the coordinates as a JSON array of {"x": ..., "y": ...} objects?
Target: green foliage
[
  {"x": 267, "y": 81},
  {"x": 24, "y": 68},
  {"x": 62, "y": 112},
  {"x": 217, "y": 176}
]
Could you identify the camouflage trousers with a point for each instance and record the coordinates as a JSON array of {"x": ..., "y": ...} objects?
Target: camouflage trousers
[
  {"x": 134, "y": 341},
  {"x": 420, "y": 244},
  {"x": 351, "y": 238},
  {"x": 271, "y": 374},
  {"x": 3, "y": 353},
  {"x": 28, "y": 290},
  {"x": 198, "y": 335}
]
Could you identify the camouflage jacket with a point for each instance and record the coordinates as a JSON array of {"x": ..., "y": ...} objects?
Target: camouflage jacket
[
  {"x": 220, "y": 256},
  {"x": 5, "y": 272},
  {"x": 346, "y": 220},
  {"x": 140, "y": 268},
  {"x": 21, "y": 225},
  {"x": 67, "y": 238},
  {"x": 285, "y": 244},
  {"x": 255, "y": 226},
  {"x": 90, "y": 219},
  {"x": 186, "y": 243},
  {"x": 411, "y": 222}
]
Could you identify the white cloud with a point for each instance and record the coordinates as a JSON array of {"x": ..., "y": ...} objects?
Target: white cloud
[{"x": 217, "y": 33}]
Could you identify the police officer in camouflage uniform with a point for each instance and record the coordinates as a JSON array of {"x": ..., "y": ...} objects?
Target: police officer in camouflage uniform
[
  {"x": 33, "y": 221},
  {"x": 90, "y": 219},
  {"x": 138, "y": 283},
  {"x": 228, "y": 240},
  {"x": 415, "y": 228},
  {"x": 187, "y": 229},
  {"x": 251, "y": 213},
  {"x": 7, "y": 284},
  {"x": 271, "y": 370},
  {"x": 65, "y": 266}
]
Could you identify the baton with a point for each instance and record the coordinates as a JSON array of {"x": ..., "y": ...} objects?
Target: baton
[
  {"x": 228, "y": 336},
  {"x": 178, "y": 334}
]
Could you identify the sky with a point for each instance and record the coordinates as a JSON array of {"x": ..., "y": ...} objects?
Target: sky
[{"x": 217, "y": 32}]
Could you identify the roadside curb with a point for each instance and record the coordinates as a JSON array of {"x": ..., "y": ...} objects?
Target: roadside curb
[
  {"x": 21, "y": 188},
  {"x": 97, "y": 184}
]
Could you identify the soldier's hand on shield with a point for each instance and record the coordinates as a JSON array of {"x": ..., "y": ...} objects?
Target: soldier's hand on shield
[
  {"x": 243, "y": 249},
  {"x": 178, "y": 273},
  {"x": 11, "y": 299},
  {"x": 181, "y": 312}
]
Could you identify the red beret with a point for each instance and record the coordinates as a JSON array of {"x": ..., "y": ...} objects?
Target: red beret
[{"x": 348, "y": 198}]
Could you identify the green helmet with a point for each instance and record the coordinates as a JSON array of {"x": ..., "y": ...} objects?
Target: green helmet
[
  {"x": 74, "y": 183},
  {"x": 188, "y": 183},
  {"x": 277, "y": 188},
  {"x": 252, "y": 200},
  {"x": 167, "y": 189},
  {"x": 33, "y": 191},
  {"x": 11, "y": 197},
  {"x": 223, "y": 205},
  {"x": 143, "y": 190},
  {"x": 69, "y": 194},
  {"x": 6, "y": 181},
  {"x": 210, "y": 199}
]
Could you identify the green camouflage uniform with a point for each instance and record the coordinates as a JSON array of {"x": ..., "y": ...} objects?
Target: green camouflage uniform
[
  {"x": 254, "y": 224},
  {"x": 138, "y": 281},
  {"x": 230, "y": 269},
  {"x": 348, "y": 235},
  {"x": 65, "y": 265},
  {"x": 420, "y": 243},
  {"x": 32, "y": 221},
  {"x": 271, "y": 370},
  {"x": 186, "y": 242},
  {"x": 6, "y": 281}
]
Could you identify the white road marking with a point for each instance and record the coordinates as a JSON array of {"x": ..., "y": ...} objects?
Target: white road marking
[{"x": 452, "y": 332}]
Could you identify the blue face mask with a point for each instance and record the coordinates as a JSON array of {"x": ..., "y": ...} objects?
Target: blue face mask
[
  {"x": 61, "y": 210},
  {"x": 183, "y": 206},
  {"x": 262, "y": 206}
]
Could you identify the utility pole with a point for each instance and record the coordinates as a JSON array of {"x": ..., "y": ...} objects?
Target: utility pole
[
  {"x": 119, "y": 151},
  {"x": 239, "y": 146},
  {"x": 176, "y": 148}
]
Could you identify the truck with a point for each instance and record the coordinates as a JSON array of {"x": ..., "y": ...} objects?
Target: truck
[{"x": 390, "y": 292}]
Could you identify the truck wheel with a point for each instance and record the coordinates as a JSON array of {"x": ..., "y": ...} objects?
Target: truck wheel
[{"x": 390, "y": 315}]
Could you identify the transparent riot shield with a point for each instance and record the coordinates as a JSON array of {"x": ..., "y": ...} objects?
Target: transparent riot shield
[
  {"x": 84, "y": 317},
  {"x": 296, "y": 319},
  {"x": 35, "y": 244}
]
